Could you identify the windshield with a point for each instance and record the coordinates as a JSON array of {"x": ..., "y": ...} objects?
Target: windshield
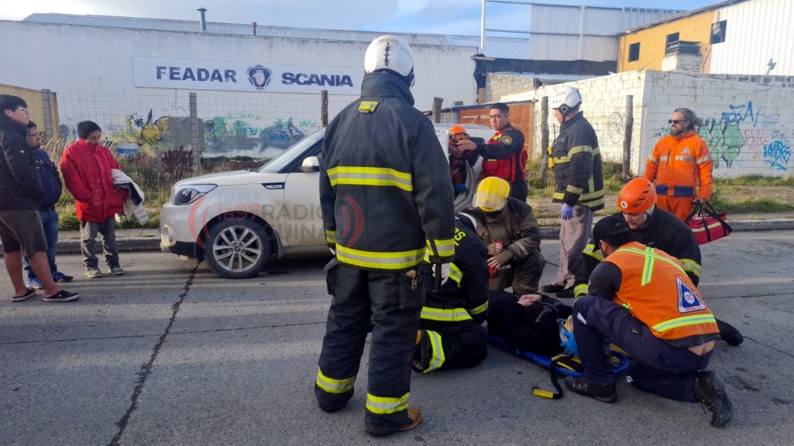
[{"x": 278, "y": 163}]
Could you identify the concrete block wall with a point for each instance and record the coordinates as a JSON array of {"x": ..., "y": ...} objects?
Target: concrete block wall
[
  {"x": 498, "y": 85},
  {"x": 604, "y": 106},
  {"x": 747, "y": 125},
  {"x": 747, "y": 120}
]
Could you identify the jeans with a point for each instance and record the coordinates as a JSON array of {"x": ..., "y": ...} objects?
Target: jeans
[{"x": 49, "y": 220}]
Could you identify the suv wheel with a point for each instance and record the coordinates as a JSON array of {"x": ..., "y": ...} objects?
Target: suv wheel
[{"x": 237, "y": 249}]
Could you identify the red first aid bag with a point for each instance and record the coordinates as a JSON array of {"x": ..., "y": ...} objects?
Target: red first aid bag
[{"x": 707, "y": 224}]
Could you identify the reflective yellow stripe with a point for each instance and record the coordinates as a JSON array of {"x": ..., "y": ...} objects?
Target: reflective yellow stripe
[
  {"x": 455, "y": 273},
  {"x": 370, "y": 176},
  {"x": 479, "y": 310},
  {"x": 379, "y": 260},
  {"x": 684, "y": 321},
  {"x": 331, "y": 385},
  {"x": 691, "y": 266},
  {"x": 650, "y": 255},
  {"x": 590, "y": 250},
  {"x": 561, "y": 159},
  {"x": 445, "y": 314},
  {"x": 437, "y": 357},
  {"x": 580, "y": 290},
  {"x": 384, "y": 405},
  {"x": 583, "y": 149},
  {"x": 445, "y": 247},
  {"x": 599, "y": 194},
  {"x": 574, "y": 190},
  {"x": 330, "y": 236}
]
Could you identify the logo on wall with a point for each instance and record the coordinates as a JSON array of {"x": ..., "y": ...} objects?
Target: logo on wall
[{"x": 259, "y": 76}]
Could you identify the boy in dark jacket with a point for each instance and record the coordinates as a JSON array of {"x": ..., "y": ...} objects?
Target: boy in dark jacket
[{"x": 51, "y": 182}]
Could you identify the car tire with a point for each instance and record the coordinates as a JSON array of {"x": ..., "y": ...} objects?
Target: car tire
[{"x": 237, "y": 248}]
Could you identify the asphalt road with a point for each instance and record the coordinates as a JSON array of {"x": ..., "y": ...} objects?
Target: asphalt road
[{"x": 171, "y": 354}]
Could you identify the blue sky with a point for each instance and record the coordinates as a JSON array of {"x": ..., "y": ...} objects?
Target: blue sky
[{"x": 458, "y": 17}]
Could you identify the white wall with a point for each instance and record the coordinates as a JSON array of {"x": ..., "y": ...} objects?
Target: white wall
[
  {"x": 748, "y": 126},
  {"x": 91, "y": 71}
]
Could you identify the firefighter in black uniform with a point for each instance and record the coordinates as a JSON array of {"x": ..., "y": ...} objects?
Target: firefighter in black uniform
[
  {"x": 451, "y": 334},
  {"x": 656, "y": 228},
  {"x": 503, "y": 155},
  {"x": 384, "y": 206}
]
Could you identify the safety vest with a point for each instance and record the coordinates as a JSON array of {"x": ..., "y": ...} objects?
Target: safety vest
[
  {"x": 657, "y": 291},
  {"x": 504, "y": 168}
]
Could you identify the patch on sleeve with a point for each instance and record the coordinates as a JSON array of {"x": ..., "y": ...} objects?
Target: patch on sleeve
[
  {"x": 367, "y": 106},
  {"x": 688, "y": 301},
  {"x": 507, "y": 140}
]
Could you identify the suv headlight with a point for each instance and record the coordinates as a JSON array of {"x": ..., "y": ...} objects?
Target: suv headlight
[{"x": 182, "y": 195}]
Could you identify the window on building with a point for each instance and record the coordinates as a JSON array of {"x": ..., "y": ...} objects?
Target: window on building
[
  {"x": 634, "y": 52},
  {"x": 670, "y": 39},
  {"x": 718, "y": 31}
]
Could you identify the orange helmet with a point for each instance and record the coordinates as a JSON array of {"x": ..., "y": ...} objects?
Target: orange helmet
[
  {"x": 637, "y": 196},
  {"x": 456, "y": 130}
]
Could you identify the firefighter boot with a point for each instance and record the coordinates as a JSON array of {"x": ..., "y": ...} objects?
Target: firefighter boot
[
  {"x": 729, "y": 333},
  {"x": 710, "y": 393},
  {"x": 414, "y": 414}
]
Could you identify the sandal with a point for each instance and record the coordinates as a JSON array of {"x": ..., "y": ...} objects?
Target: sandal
[{"x": 30, "y": 292}]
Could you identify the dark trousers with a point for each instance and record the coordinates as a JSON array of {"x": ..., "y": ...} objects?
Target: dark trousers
[
  {"x": 522, "y": 275},
  {"x": 657, "y": 366},
  {"x": 88, "y": 233},
  {"x": 455, "y": 346},
  {"x": 393, "y": 303}
]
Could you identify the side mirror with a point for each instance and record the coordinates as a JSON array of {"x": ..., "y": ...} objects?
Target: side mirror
[{"x": 310, "y": 164}]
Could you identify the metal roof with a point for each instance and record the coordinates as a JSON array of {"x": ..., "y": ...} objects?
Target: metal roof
[
  {"x": 501, "y": 47},
  {"x": 689, "y": 13}
]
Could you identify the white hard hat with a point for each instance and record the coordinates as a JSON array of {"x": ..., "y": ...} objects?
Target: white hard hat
[
  {"x": 565, "y": 99},
  {"x": 390, "y": 53}
]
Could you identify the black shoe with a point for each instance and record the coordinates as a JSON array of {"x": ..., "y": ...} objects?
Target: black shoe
[
  {"x": 565, "y": 294},
  {"x": 729, "y": 333},
  {"x": 553, "y": 288},
  {"x": 606, "y": 394},
  {"x": 61, "y": 296},
  {"x": 710, "y": 393}
]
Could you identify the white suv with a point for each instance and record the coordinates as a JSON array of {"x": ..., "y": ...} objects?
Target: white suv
[{"x": 236, "y": 220}]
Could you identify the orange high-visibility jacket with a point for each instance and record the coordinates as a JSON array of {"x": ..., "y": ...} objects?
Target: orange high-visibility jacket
[
  {"x": 657, "y": 291},
  {"x": 679, "y": 164}
]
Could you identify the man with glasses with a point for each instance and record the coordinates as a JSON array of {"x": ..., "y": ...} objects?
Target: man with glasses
[
  {"x": 21, "y": 231},
  {"x": 53, "y": 188},
  {"x": 503, "y": 155},
  {"x": 681, "y": 165}
]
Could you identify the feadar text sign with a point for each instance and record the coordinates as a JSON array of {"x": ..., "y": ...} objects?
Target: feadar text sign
[{"x": 237, "y": 76}]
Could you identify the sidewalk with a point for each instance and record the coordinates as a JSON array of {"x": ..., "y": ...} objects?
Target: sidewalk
[{"x": 149, "y": 239}]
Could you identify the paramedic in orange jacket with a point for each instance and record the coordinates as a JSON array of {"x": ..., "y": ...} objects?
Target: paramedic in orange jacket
[
  {"x": 681, "y": 165},
  {"x": 642, "y": 300}
]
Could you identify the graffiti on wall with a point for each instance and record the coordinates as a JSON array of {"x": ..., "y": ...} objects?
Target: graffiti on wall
[{"x": 745, "y": 130}]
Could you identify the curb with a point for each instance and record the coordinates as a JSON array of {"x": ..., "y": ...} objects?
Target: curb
[
  {"x": 547, "y": 232},
  {"x": 141, "y": 244},
  {"x": 124, "y": 244}
]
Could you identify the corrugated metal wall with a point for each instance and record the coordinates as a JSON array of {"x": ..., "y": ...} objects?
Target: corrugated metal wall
[
  {"x": 756, "y": 31},
  {"x": 42, "y": 105},
  {"x": 581, "y": 32}
]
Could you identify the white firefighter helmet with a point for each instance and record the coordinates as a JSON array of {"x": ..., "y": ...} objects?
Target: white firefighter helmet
[
  {"x": 566, "y": 99},
  {"x": 390, "y": 53}
]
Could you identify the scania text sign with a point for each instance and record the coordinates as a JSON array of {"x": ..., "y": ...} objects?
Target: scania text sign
[{"x": 241, "y": 76}]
